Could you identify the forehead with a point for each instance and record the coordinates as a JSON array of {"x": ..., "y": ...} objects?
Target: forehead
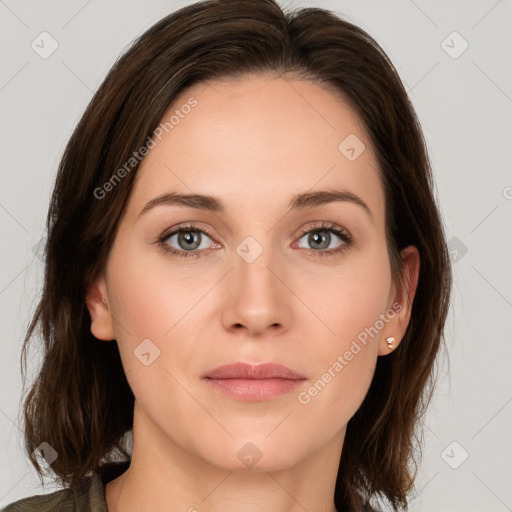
[{"x": 259, "y": 136}]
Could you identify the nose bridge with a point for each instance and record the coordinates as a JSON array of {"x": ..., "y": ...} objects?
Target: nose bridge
[
  {"x": 256, "y": 297},
  {"x": 252, "y": 263}
]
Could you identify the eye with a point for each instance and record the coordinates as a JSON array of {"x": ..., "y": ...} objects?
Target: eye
[
  {"x": 189, "y": 239},
  {"x": 321, "y": 239}
]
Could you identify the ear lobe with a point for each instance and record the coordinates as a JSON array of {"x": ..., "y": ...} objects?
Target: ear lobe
[
  {"x": 102, "y": 326},
  {"x": 404, "y": 297}
]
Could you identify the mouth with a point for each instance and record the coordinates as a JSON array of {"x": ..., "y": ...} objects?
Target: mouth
[{"x": 246, "y": 382}]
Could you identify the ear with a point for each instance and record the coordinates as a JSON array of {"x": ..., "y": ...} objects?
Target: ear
[
  {"x": 402, "y": 302},
  {"x": 102, "y": 325}
]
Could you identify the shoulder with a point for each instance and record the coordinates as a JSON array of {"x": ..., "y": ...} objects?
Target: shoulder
[
  {"x": 86, "y": 496},
  {"x": 63, "y": 500}
]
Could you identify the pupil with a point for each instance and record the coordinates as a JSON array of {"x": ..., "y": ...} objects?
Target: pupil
[
  {"x": 189, "y": 238},
  {"x": 317, "y": 235}
]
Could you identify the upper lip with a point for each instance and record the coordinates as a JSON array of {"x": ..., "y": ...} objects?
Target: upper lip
[{"x": 249, "y": 371}]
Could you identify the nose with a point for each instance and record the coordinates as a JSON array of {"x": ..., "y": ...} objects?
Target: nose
[{"x": 257, "y": 300}]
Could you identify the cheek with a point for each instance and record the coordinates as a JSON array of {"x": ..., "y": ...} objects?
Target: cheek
[
  {"x": 351, "y": 297},
  {"x": 152, "y": 301},
  {"x": 339, "y": 388},
  {"x": 148, "y": 298},
  {"x": 353, "y": 303}
]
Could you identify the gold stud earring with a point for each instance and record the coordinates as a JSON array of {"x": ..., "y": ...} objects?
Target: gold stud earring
[{"x": 390, "y": 342}]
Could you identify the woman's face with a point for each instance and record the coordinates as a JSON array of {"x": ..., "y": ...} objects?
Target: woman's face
[{"x": 251, "y": 281}]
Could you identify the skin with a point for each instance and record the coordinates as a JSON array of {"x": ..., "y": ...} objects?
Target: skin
[{"x": 253, "y": 143}]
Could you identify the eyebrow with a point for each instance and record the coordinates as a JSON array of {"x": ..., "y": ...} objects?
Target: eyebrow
[{"x": 299, "y": 202}]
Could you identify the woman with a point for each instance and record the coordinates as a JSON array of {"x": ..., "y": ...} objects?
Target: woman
[{"x": 246, "y": 270}]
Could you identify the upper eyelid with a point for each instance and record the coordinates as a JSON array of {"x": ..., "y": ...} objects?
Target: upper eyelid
[
  {"x": 172, "y": 231},
  {"x": 331, "y": 227}
]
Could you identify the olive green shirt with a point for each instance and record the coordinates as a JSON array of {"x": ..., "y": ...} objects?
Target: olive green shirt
[{"x": 86, "y": 496}]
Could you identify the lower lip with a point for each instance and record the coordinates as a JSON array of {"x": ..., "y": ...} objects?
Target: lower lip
[{"x": 254, "y": 389}]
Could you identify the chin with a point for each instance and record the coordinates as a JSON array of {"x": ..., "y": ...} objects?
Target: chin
[{"x": 254, "y": 454}]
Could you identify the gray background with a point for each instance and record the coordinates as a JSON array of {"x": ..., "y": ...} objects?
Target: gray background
[{"x": 465, "y": 107}]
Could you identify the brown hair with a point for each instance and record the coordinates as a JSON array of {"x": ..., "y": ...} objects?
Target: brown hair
[{"x": 80, "y": 402}]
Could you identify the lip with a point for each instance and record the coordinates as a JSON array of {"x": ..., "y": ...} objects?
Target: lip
[
  {"x": 249, "y": 371},
  {"x": 246, "y": 382}
]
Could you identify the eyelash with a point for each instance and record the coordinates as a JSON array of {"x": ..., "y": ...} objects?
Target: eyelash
[{"x": 325, "y": 226}]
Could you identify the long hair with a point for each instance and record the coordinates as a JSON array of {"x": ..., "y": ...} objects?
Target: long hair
[{"x": 80, "y": 402}]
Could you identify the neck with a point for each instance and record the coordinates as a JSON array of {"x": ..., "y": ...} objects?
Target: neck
[{"x": 164, "y": 476}]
